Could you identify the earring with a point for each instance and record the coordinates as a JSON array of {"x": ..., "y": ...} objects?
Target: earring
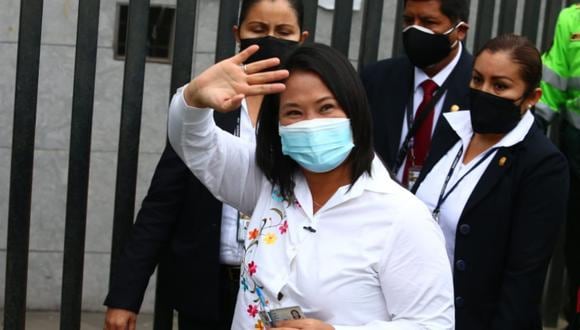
[{"x": 530, "y": 106}]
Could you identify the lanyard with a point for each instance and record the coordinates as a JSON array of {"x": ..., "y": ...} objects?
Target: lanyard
[
  {"x": 413, "y": 124},
  {"x": 443, "y": 196}
]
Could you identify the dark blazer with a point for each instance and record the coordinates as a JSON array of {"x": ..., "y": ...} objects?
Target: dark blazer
[
  {"x": 388, "y": 84},
  {"x": 179, "y": 224},
  {"x": 506, "y": 233}
]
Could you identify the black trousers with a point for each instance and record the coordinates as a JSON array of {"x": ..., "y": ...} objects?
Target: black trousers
[
  {"x": 572, "y": 252},
  {"x": 230, "y": 283},
  {"x": 570, "y": 145}
]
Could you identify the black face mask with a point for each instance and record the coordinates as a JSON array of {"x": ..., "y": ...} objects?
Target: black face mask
[
  {"x": 269, "y": 47},
  {"x": 425, "y": 48},
  {"x": 493, "y": 114}
]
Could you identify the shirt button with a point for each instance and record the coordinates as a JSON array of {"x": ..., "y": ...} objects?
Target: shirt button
[
  {"x": 465, "y": 229},
  {"x": 461, "y": 265},
  {"x": 459, "y": 302}
]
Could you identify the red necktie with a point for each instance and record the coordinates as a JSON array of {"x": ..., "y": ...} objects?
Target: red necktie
[{"x": 422, "y": 138}]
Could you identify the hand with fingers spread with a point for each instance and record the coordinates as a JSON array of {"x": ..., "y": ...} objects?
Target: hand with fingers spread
[
  {"x": 224, "y": 85},
  {"x": 302, "y": 324}
]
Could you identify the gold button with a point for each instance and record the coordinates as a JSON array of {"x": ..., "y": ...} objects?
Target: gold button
[
  {"x": 454, "y": 108},
  {"x": 502, "y": 161}
]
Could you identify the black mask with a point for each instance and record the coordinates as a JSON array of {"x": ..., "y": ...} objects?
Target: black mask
[
  {"x": 424, "y": 47},
  {"x": 493, "y": 114},
  {"x": 269, "y": 47}
]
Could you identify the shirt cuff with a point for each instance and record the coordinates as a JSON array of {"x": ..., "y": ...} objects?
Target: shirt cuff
[{"x": 191, "y": 114}]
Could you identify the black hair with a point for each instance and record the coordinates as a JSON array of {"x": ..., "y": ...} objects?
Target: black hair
[
  {"x": 455, "y": 10},
  {"x": 522, "y": 51},
  {"x": 339, "y": 76},
  {"x": 297, "y": 5}
]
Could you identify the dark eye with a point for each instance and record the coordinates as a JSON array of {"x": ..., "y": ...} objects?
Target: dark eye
[
  {"x": 500, "y": 86},
  {"x": 292, "y": 113},
  {"x": 326, "y": 107},
  {"x": 284, "y": 32},
  {"x": 476, "y": 79}
]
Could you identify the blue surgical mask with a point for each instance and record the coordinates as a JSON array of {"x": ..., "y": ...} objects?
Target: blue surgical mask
[{"x": 318, "y": 145}]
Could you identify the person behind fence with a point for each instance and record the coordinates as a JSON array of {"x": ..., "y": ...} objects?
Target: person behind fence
[
  {"x": 181, "y": 224},
  {"x": 331, "y": 234},
  {"x": 561, "y": 96},
  {"x": 494, "y": 183},
  {"x": 407, "y": 94}
]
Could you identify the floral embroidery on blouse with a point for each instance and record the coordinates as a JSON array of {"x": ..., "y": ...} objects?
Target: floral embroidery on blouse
[
  {"x": 276, "y": 195},
  {"x": 270, "y": 238},
  {"x": 252, "y": 268},
  {"x": 259, "y": 325},
  {"x": 252, "y": 310},
  {"x": 253, "y": 234},
  {"x": 273, "y": 223},
  {"x": 284, "y": 227}
]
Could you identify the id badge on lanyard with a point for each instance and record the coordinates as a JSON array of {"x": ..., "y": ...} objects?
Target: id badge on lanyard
[
  {"x": 243, "y": 224},
  {"x": 414, "y": 170}
]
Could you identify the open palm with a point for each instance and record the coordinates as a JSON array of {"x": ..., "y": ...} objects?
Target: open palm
[{"x": 223, "y": 85}]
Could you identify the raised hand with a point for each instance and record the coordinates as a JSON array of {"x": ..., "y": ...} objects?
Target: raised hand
[{"x": 224, "y": 85}]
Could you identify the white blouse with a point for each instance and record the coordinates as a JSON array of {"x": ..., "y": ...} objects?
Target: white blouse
[
  {"x": 430, "y": 189},
  {"x": 371, "y": 258}
]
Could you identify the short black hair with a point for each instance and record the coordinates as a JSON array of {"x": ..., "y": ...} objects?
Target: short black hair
[
  {"x": 455, "y": 10},
  {"x": 340, "y": 77},
  {"x": 523, "y": 52},
  {"x": 297, "y": 5}
]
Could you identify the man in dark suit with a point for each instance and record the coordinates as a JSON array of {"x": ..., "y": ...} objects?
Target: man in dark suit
[
  {"x": 180, "y": 223},
  {"x": 408, "y": 94}
]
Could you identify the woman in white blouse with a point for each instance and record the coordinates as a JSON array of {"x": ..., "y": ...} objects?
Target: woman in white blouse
[
  {"x": 330, "y": 231},
  {"x": 496, "y": 185}
]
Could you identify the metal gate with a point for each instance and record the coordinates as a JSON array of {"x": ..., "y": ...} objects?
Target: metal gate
[{"x": 82, "y": 112}]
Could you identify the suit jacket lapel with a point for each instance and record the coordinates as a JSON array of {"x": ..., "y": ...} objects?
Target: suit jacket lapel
[
  {"x": 458, "y": 87},
  {"x": 495, "y": 171}
]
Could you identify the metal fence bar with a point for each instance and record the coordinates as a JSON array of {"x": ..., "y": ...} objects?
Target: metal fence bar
[
  {"x": 79, "y": 163},
  {"x": 397, "y": 34},
  {"x": 550, "y": 16},
  {"x": 341, "y": 23},
  {"x": 310, "y": 14},
  {"x": 130, "y": 126},
  {"x": 22, "y": 163},
  {"x": 485, "y": 10},
  {"x": 531, "y": 19},
  {"x": 370, "y": 33},
  {"x": 226, "y": 42},
  {"x": 185, "y": 21},
  {"x": 507, "y": 16},
  {"x": 181, "y": 69}
]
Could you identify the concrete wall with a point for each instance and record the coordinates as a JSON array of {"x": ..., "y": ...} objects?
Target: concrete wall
[{"x": 53, "y": 134}]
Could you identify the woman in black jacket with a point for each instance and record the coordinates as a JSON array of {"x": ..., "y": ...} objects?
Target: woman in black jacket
[{"x": 497, "y": 187}]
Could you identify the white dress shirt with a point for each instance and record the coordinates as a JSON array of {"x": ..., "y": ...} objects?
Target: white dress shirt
[
  {"x": 231, "y": 250},
  {"x": 419, "y": 77},
  {"x": 372, "y": 257},
  {"x": 430, "y": 189}
]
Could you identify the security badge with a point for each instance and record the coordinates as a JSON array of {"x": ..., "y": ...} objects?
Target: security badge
[
  {"x": 243, "y": 224},
  {"x": 413, "y": 175}
]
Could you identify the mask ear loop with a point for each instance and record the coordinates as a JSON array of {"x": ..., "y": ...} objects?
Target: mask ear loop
[{"x": 448, "y": 32}]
